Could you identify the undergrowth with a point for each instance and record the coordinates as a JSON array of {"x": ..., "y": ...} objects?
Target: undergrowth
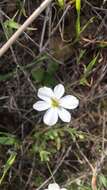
[{"x": 66, "y": 44}]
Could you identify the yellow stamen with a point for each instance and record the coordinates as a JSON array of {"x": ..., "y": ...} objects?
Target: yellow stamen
[{"x": 54, "y": 102}]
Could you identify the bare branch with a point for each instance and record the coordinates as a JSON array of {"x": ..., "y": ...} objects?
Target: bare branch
[{"x": 33, "y": 16}]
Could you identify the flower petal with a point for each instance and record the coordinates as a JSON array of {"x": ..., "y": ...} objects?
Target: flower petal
[
  {"x": 63, "y": 189},
  {"x": 64, "y": 115},
  {"x": 51, "y": 117},
  {"x": 41, "y": 106},
  {"x": 53, "y": 186},
  {"x": 59, "y": 91},
  {"x": 45, "y": 93},
  {"x": 69, "y": 102}
]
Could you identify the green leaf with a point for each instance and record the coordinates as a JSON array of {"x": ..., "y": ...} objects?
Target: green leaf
[
  {"x": 87, "y": 24},
  {"x": 78, "y": 8},
  {"x": 78, "y": 5},
  {"x": 82, "y": 52},
  {"x": 91, "y": 65},
  {"x": 8, "y": 165},
  {"x": 83, "y": 81},
  {"x": 72, "y": 132},
  {"x": 49, "y": 79},
  {"x": 14, "y": 25},
  {"x": 87, "y": 70},
  {"x": 6, "y": 76},
  {"x": 52, "y": 67},
  {"x": 11, "y": 24},
  {"x": 61, "y": 3},
  {"x": 78, "y": 28},
  {"x": 38, "y": 74},
  {"x": 8, "y": 139},
  {"x": 103, "y": 180},
  {"x": 44, "y": 155},
  {"x": 51, "y": 134}
]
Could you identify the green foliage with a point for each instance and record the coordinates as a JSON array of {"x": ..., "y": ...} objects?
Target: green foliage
[
  {"x": 47, "y": 142},
  {"x": 44, "y": 155},
  {"x": 11, "y": 25},
  {"x": 54, "y": 135},
  {"x": 103, "y": 180},
  {"x": 6, "y": 76},
  {"x": 82, "y": 52},
  {"x": 34, "y": 63},
  {"x": 43, "y": 140},
  {"x": 8, "y": 165},
  {"x": 38, "y": 74},
  {"x": 87, "y": 70},
  {"x": 49, "y": 80},
  {"x": 80, "y": 29},
  {"x": 38, "y": 180},
  {"x": 61, "y": 3},
  {"x": 78, "y": 5},
  {"x": 20, "y": 6},
  {"x": 87, "y": 24},
  {"x": 78, "y": 9},
  {"x": 75, "y": 134},
  {"x": 45, "y": 76},
  {"x": 77, "y": 187},
  {"x": 52, "y": 67},
  {"x": 72, "y": 132},
  {"x": 8, "y": 139},
  {"x": 102, "y": 44}
]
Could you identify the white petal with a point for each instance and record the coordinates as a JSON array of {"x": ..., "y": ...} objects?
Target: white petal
[
  {"x": 64, "y": 115},
  {"x": 45, "y": 93},
  {"x": 53, "y": 186},
  {"x": 59, "y": 91},
  {"x": 51, "y": 117},
  {"x": 69, "y": 102},
  {"x": 41, "y": 105},
  {"x": 63, "y": 189}
]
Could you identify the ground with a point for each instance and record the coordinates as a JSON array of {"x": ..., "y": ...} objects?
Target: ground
[{"x": 67, "y": 46}]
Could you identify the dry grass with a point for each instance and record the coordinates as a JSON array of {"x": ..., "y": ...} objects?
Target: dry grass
[{"x": 78, "y": 156}]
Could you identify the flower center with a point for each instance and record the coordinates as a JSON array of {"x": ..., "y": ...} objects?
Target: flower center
[{"x": 54, "y": 102}]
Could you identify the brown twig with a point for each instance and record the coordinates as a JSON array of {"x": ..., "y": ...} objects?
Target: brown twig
[{"x": 22, "y": 28}]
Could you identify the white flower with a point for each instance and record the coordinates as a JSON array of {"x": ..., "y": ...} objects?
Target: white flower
[
  {"x": 55, "y": 104},
  {"x": 54, "y": 186}
]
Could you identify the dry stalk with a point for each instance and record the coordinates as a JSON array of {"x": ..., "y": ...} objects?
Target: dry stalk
[{"x": 22, "y": 28}]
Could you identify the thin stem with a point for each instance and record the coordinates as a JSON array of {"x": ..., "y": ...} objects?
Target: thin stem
[{"x": 22, "y": 28}]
